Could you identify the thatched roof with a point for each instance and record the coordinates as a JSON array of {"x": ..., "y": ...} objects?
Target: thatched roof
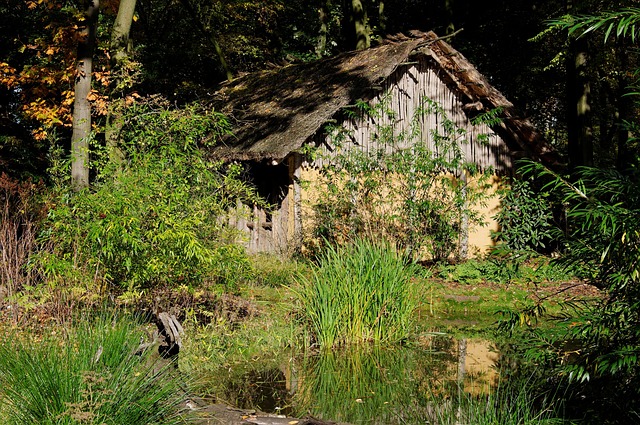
[{"x": 275, "y": 112}]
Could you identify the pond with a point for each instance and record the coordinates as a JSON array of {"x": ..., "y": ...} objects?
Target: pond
[{"x": 373, "y": 385}]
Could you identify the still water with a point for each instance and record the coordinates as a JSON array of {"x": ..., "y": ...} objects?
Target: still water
[{"x": 373, "y": 385}]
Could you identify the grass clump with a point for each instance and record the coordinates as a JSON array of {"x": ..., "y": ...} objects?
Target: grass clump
[
  {"x": 360, "y": 292},
  {"x": 86, "y": 374}
]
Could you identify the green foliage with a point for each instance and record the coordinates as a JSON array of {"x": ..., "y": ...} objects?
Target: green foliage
[
  {"x": 155, "y": 217},
  {"x": 525, "y": 217},
  {"x": 87, "y": 375},
  {"x": 603, "y": 246},
  {"x": 470, "y": 272},
  {"x": 517, "y": 267},
  {"x": 621, "y": 23},
  {"x": 274, "y": 271},
  {"x": 359, "y": 292},
  {"x": 419, "y": 197}
]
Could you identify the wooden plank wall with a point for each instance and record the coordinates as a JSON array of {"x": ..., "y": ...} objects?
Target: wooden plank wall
[
  {"x": 263, "y": 232},
  {"x": 403, "y": 93}
]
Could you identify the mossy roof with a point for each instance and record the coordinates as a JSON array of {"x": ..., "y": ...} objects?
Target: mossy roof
[{"x": 275, "y": 112}]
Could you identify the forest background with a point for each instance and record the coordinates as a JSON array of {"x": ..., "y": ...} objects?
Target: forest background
[{"x": 572, "y": 87}]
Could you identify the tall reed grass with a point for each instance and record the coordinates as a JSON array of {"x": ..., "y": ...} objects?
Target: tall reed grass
[
  {"x": 360, "y": 292},
  {"x": 84, "y": 374}
]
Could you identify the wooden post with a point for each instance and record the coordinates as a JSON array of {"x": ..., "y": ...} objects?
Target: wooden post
[
  {"x": 463, "y": 251},
  {"x": 297, "y": 203}
]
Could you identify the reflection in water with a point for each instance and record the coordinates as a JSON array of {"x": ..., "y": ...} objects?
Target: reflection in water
[
  {"x": 377, "y": 385},
  {"x": 372, "y": 385}
]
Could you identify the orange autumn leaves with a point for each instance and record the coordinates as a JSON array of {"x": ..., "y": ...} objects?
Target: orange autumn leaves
[{"x": 44, "y": 81}]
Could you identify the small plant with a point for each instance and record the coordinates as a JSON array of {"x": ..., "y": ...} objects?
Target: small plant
[
  {"x": 271, "y": 270},
  {"x": 419, "y": 194},
  {"x": 468, "y": 272},
  {"x": 85, "y": 374},
  {"x": 360, "y": 292}
]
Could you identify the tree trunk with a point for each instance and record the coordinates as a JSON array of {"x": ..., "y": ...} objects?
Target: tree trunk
[
  {"x": 120, "y": 52},
  {"x": 324, "y": 15},
  {"x": 463, "y": 248},
  {"x": 210, "y": 37},
  {"x": 625, "y": 107},
  {"x": 579, "y": 131},
  {"x": 361, "y": 25},
  {"x": 81, "y": 105},
  {"x": 382, "y": 18},
  {"x": 120, "y": 33},
  {"x": 448, "y": 8}
]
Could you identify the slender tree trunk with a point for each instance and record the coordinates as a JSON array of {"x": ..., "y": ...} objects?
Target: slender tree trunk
[
  {"x": 448, "y": 7},
  {"x": 625, "y": 110},
  {"x": 120, "y": 54},
  {"x": 382, "y": 18},
  {"x": 361, "y": 25},
  {"x": 463, "y": 249},
  {"x": 579, "y": 131},
  {"x": 81, "y": 105},
  {"x": 210, "y": 37},
  {"x": 324, "y": 15},
  {"x": 121, "y": 30}
]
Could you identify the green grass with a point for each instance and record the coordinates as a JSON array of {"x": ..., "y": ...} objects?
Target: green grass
[
  {"x": 471, "y": 297},
  {"x": 86, "y": 373},
  {"x": 361, "y": 292},
  {"x": 274, "y": 271}
]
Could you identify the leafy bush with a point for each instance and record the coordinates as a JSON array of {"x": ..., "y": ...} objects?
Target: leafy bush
[
  {"x": 86, "y": 374},
  {"x": 156, "y": 217},
  {"x": 470, "y": 272},
  {"x": 359, "y": 292},
  {"x": 525, "y": 217},
  {"x": 420, "y": 198},
  {"x": 602, "y": 245}
]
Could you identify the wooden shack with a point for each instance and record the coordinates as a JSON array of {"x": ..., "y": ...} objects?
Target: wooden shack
[{"x": 277, "y": 112}]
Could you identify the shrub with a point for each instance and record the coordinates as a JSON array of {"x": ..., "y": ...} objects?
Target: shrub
[
  {"x": 601, "y": 246},
  {"x": 154, "y": 218},
  {"x": 359, "y": 292},
  {"x": 422, "y": 199},
  {"x": 21, "y": 212},
  {"x": 525, "y": 219}
]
